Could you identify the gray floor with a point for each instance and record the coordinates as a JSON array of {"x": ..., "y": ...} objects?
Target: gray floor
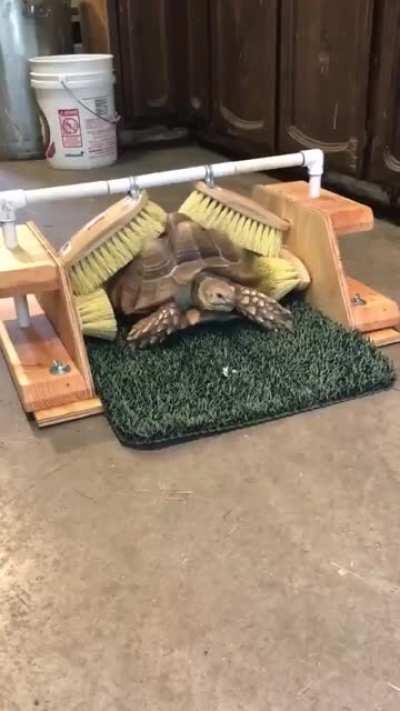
[{"x": 255, "y": 571}]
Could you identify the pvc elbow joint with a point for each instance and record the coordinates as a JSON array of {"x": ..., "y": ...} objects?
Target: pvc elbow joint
[
  {"x": 314, "y": 162},
  {"x": 10, "y": 201}
]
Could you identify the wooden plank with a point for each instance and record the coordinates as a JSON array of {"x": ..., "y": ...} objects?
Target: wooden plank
[
  {"x": 347, "y": 215},
  {"x": 67, "y": 413},
  {"x": 384, "y": 337},
  {"x": 312, "y": 239},
  {"x": 28, "y": 268},
  {"x": 372, "y": 311},
  {"x": 29, "y": 353},
  {"x": 59, "y": 308}
]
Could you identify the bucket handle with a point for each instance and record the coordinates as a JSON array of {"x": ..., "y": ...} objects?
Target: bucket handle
[
  {"x": 31, "y": 9},
  {"x": 113, "y": 122}
]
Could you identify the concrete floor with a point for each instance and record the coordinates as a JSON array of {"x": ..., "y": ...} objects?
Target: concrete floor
[{"x": 254, "y": 571}]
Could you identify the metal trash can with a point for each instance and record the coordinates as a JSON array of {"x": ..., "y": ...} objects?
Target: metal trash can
[{"x": 28, "y": 28}]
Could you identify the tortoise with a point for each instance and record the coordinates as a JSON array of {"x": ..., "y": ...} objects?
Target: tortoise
[{"x": 187, "y": 276}]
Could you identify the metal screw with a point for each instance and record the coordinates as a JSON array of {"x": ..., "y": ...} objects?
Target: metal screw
[
  {"x": 357, "y": 300},
  {"x": 59, "y": 368}
]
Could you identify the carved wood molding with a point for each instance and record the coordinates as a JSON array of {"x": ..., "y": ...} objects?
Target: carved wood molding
[
  {"x": 327, "y": 146},
  {"x": 390, "y": 160},
  {"x": 240, "y": 123}
]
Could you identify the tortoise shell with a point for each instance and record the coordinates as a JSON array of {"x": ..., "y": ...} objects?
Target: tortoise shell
[{"x": 167, "y": 266}]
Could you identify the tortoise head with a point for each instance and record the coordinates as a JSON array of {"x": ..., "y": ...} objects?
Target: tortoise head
[{"x": 213, "y": 293}]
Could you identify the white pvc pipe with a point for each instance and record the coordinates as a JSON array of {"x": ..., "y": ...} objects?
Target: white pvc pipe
[
  {"x": 312, "y": 159},
  {"x": 10, "y": 235},
  {"x": 69, "y": 192},
  {"x": 22, "y": 311},
  {"x": 314, "y": 186}
]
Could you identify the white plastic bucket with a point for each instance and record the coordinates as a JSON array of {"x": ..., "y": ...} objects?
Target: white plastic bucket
[{"x": 75, "y": 93}]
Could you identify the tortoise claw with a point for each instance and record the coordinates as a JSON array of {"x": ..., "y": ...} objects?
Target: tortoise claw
[
  {"x": 155, "y": 328},
  {"x": 262, "y": 309}
]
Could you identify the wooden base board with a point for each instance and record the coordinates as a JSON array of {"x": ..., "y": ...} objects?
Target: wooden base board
[
  {"x": 371, "y": 311},
  {"x": 66, "y": 413},
  {"x": 29, "y": 353},
  {"x": 384, "y": 337}
]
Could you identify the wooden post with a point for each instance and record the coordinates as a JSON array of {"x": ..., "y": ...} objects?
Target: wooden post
[
  {"x": 316, "y": 225},
  {"x": 52, "y": 393}
]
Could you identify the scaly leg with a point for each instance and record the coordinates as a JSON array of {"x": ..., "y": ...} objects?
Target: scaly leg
[
  {"x": 262, "y": 309},
  {"x": 169, "y": 319},
  {"x": 156, "y": 327}
]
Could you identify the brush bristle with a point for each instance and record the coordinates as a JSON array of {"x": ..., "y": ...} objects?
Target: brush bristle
[
  {"x": 276, "y": 276},
  {"x": 102, "y": 263},
  {"x": 96, "y": 315},
  {"x": 245, "y": 232}
]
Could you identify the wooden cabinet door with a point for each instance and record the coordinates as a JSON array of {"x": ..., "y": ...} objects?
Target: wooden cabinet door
[
  {"x": 384, "y": 159},
  {"x": 243, "y": 68},
  {"x": 325, "y": 62},
  {"x": 145, "y": 41},
  {"x": 194, "y": 69}
]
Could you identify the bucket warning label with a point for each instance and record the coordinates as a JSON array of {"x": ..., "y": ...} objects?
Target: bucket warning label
[{"x": 70, "y": 126}]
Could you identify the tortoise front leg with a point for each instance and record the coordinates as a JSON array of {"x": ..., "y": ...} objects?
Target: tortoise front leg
[
  {"x": 156, "y": 327},
  {"x": 262, "y": 309}
]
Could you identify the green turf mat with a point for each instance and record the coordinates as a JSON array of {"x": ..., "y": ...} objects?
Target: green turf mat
[{"x": 220, "y": 377}]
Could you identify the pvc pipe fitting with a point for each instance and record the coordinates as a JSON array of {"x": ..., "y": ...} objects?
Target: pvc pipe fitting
[{"x": 314, "y": 162}]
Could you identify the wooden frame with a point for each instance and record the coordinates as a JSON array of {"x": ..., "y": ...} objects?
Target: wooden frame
[
  {"x": 316, "y": 225},
  {"x": 34, "y": 268},
  {"x": 54, "y": 334}
]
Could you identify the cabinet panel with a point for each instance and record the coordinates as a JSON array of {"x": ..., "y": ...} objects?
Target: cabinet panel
[
  {"x": 325, "y": 58},
  {"x": 146, "y": 58},
  {"x": 94, "y": 26},
  {"x": 197, "y": 64},
  {"x": 384, "y": 160},
  {"x": 243, "y": 67}
]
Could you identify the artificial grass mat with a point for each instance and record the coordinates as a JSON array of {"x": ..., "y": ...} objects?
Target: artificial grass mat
[{"x": 219, "y": 377}]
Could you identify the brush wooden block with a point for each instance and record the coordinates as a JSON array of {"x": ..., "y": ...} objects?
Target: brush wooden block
[
  {"x": 315, "y": 224},
  {"x": 241, "y": 204},
  {"x": 101, "y": 228},
  {"x": 28, "y": 268},
  {"x": 29, "y": 353}
]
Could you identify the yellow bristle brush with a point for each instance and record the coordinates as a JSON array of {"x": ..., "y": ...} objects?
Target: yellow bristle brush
[
  {"x": 278, "y": 276},
  {"x": 96, "y": 315},
  {"x": 246, "y": 222},
  {"x": 109, "y": 241}
]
